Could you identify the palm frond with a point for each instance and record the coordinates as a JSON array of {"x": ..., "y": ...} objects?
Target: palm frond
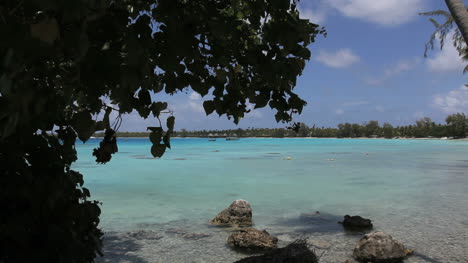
[
  {"x": 442, "y": 30},
  {"x": 434, "y": 22},
  {"x": 436, "y": 13}
]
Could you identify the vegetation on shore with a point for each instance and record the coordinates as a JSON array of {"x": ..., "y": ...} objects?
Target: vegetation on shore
[{"x": 456, "y": 126}]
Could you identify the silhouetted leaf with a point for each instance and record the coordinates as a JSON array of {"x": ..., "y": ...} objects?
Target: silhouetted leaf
[
  {"x": 157, "y": 107},
  {"x": 84, "y": 125},
  {"x": 157, "y": 150},
  {"x": 155, "y": 136},
  {"x": 167, "y": 140},
  {"x": 209, "y": 107},
  {"x": 170, "y": 123}
]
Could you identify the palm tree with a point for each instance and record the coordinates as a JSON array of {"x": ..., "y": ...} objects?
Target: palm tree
[
  {"x": 460, "y": 15},
  {"x": 442, "y": 30}
]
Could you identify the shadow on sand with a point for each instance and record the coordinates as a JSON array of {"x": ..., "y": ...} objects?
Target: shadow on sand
[
  {"x": 316, "y": 222},
  {"x": 118, "y": 248},
  {"x": 425, "y": 258}
]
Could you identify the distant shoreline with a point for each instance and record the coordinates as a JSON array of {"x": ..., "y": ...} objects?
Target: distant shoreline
[{"x": 357, "y": 138}]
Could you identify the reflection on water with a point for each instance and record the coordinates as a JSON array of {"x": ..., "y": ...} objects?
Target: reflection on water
[{"x": 157, "y": 211}]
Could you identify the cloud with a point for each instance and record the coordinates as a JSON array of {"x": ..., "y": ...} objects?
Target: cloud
[
  {"x": 189, "y": 109},
  {"x": 452, "y": 102},
  {"x": 194, "y": 96},
  {"x": 382, "y": 12},
  {"x": 254, "y": 113},
  {"x": 339, "y": 111},
  {"x": 315, "y": 11},
  {"x": 401, "y": 67},
  {"x": 317, "y": 17},
  {"x": 195, "y": 103},
  {"x": 447, "y": 59},
  {"x": 340, "y": 59}
]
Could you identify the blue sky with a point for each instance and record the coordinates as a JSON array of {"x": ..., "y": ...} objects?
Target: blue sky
[{"x": 370, "y": 67}]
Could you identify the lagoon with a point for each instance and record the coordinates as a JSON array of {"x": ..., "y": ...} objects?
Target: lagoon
[{"x": 415, "y": 190}]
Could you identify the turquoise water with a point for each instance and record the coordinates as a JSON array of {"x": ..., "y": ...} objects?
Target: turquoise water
[{"x": 416, "y": 190}]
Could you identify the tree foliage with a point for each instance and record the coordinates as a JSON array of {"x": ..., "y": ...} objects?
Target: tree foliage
[
  {"x": 457, "y": 124},
  {"x": 442, "y": 30},
  {"x": 63, "y": 63}
]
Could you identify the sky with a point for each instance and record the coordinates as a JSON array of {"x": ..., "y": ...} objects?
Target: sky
[{"x": 371, "y": 66}]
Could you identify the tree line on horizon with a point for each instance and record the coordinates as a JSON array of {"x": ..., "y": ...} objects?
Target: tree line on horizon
[{"x": 456, "y": 126}]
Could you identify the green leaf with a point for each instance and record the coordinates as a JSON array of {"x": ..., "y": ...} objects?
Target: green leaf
[
  {"x": 157, "y": 150},
  {"x": 100, "y": 126},
  {"x": 105, "y": 120},
  {"x": 84, "y": 125},
  {"x": 86, "y": 192},
  {"x": 167, "y": 140},
  {"x": 209, "y": 106},
  {"x": 144, "y": 97},
  {"x": 157, "y": 107},
  {"x": 155, "y": 136},
  {"x": 170, "y": 123}
]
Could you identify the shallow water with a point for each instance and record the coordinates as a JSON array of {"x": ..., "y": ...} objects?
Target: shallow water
[{"x": 416, "y": 190}]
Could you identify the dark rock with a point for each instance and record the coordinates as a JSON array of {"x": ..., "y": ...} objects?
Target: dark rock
[
  {"x": 239, "y": 213},
  {"x": 252, "y": 239},
  {"x": 356, "y": 223},
  {"x": 296, "y": 252},
  {"x": 379, "y": 247},
  {"x": 178, "y": 231}
]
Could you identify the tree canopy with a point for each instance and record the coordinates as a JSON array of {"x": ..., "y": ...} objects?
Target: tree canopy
[{"x": 63, "y": 63}]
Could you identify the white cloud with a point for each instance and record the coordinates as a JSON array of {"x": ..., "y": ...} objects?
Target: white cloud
[
  {"x": 195, "y": 104},
  {"x": 383, "y": 12},
  {"x": 315, "y": 11},
  {"x": 340, "y": 59},
  {"x": 452, "y": 102},
  {"x": 314, "y": 16},
  {"x": 447, "y": 59},
  {"x": 401, "y": 67},
  {"x": 254, "y": 113},
  {"x": 195, "y": 96},
  {"x": 339, "y": 111}
]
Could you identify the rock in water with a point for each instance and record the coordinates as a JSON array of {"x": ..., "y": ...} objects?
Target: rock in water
[
  {"x": 379, "y": 247},
  {"x": 296, "y": 252},
  {"x": 356, "y": 223},
  {"x": 252, "y": 239},
  {"x": 239, "y": 213}
]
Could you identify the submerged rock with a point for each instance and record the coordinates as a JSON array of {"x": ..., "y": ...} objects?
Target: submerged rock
[
  {"x": 145, "y": 234},
  {"x": 296, "y": 252},
  {"x": 196, "y": 236},
  {"x": 177, "y": 231},
  {"x": 379, "y": 247},
  {"x": 356, "y": 223},
  {"x": 252, "y": 239},
  {"x": 239, "y": 213},
  {"x": 320, "y": 244}
]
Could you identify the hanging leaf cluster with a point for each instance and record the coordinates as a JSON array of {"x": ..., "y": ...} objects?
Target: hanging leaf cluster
[
  {"x": 160, "y": 139},
  {"x": 107, "y": 147},
  {"x": 63, "y": 62}
]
